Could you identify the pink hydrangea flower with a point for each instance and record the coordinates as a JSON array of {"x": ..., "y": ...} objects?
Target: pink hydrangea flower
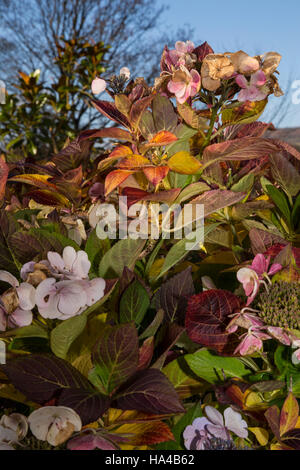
[
  {"x": 254, "y": 89},
  {"x": 65, "y": 299},
  {"x": 71, "y": 265},
  {"x": 174, "y": 58},
  {"x": 22, "y": 315},
  {"x": 215, "y": 425},
  {"x": 252, "y": 276},
  {"x": 252, "y": 341},
  {"x": 184, "y": 84}
]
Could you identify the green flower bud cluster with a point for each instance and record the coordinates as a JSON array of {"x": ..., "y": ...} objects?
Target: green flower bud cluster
[{"x": 280, "y": 306}]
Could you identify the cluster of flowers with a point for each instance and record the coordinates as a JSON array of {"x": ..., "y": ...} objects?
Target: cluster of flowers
[
  {"x": 252, "y": 278},
  {"x": 185, "y": 69},
  {"x": 53, "y": 424},
  {"x": 59, "y": 286},
  {"x": 198, "y": 435}
]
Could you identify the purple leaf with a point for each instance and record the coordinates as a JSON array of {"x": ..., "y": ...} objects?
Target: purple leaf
[
  {"x": 116, "y": 355},
  {"x": 151, "y": 392}
]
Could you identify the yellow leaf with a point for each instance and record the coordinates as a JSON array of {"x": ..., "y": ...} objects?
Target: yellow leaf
[
  {"x": 183, "y": 163},
  {"x": 134, "y": 161},
  {"x": 254, "y": 400},
  {"x": 156, "y": 268},
  {"x": 83, "y": 363},
  {"x": 261, "y": 435}
]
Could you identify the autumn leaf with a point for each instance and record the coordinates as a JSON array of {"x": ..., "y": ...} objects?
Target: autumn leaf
[
  {"x": 183, "y": 163},
  {"x": 115, "y": 178}
]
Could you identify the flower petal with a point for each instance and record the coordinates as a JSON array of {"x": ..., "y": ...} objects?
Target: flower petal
[
  {"x": 26, "y": 294},
  {"x": 5, "y": 276},
  {"x": 214, "y": 415},
  {"x": 235, "y": 423}
]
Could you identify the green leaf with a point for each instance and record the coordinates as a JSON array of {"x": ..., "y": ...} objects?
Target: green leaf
[
  {"x": 211, "y": 367},
  {"x": 280, "y": 201},
  {"x": 194, "y": 412},
  {"x": 178, "y": 251},
  {"x": 134, "y": 303},
  {"x": 182, "y": 380},
  {"x": 31, "y": 331},
  {"x": 65, "y": 333},
  {"x": 244, "y": 184},
  {"x": 95, "y": 249},
  {"x": 123, "y": 253}
]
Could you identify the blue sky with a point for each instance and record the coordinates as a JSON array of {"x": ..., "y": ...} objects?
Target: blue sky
[{"x": 256, "y": 26}]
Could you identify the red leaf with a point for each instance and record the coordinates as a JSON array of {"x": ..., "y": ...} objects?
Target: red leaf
[
  {"x": 217, "y": 199},
  {"x": 135, "y": 195},
  {"x": 245, "y": 148},
  {"x": 109, "y": 110},
  {"x": 110, "y": 132},
  {"x": 3, "y": 177},
  {"x": 155, "y": 174},
  {"x": 202, "y": 51},
  {"x": 273, "y": 417},
  {"x": 207, "y": 317},
  {"x": 146, "y": 353}
]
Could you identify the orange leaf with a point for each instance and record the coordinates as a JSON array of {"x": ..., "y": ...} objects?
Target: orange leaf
[
  {"x": 3, "y": 177},
  {"x": 163, "y": 138},
  {"x": 41, "y": 181},
  {"x": 183, "y": 163},
  {"x": 155, "y": 174},
  {"x": 134, "y": 161},
  {"x": 115, "y": 178},
  {"x": 289, "y": 414},
  {"x": 121, "y": 151},
  {"x": 146, "y": 433}
]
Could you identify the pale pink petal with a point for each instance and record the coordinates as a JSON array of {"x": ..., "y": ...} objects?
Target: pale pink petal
[
  {"x": 69, "y": 257},
  {"x": 26, "y": 269},
  {"x": 26, "y": 294},
  {"x": 244, "y": 95},
  {"x": 258, "y": 79},
  {"x": 81, "y": 265},
  {"x": 176, "y": 87},
  {"x": 20, "y": 318},
  {"x": 196, "y": 79},
  {"x": 296, "y": 357},
  {"x": 249, "y": 345},
  {"x": 241, "y": 81},
  {"x": 279, "y": 334},
  {"x": 95, "y": 290},
  {"x": 254, "y": 293},
  {"x": 72, "y": 297},
  {"x": 56, "y": 261},
  {"x": 5, "y": 276},
  {"x": 98, "y": 86},
  {"x": 235, "y": 423},
  {"x": 190, "y": 46},
  {"x": 181, "y": 47},
  {"x": 43, "y": 290},
  {"x": 214, "y": 415},
  {"x": 218, "y": 431}
]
